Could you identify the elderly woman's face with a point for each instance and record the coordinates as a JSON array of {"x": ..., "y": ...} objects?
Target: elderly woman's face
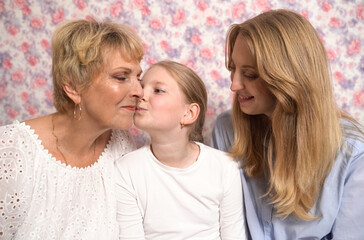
[{"x": 111, "y": 99}]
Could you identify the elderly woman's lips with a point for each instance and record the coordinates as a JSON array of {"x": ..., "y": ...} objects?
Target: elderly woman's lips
[{"x": 131, "y": 108}]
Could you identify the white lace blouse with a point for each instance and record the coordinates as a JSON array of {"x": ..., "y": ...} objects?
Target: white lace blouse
[{"x": 42, "y": 198}]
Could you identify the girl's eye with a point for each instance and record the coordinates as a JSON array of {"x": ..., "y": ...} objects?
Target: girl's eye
[{"x": 157, "y": 90}]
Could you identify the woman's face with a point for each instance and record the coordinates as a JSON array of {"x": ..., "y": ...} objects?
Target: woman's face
[
  {"x": 111, "y": 99},
  {"x": 163, "y": 104},
  {"x": 251, "y": 91}
]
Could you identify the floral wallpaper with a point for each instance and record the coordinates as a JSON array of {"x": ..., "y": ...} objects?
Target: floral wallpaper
[{"x": 188, "y": 31}]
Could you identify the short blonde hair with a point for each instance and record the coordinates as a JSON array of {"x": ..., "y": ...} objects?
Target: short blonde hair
[
  {"x": 79, "y": 48},
  {"x": 194, "y": 91}
]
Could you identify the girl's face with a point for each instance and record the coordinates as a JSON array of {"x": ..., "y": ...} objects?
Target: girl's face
[
  {"x": 111, "y": 99},
  {"x": 163, "y": 105},
  {"x": 251, "y": 91}
]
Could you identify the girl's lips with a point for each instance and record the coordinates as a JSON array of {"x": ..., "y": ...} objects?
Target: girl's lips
[{"x": 140, "y": 109}]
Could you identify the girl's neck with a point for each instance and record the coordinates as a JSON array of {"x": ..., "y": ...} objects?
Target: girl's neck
[{"x": 178, "y": 154}]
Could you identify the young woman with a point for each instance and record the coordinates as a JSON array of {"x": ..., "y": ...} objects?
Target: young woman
[
  {"x": 56, "y": 179},
  {"x": 176, "y": 187},
  {"x": 302, "y": 158}
]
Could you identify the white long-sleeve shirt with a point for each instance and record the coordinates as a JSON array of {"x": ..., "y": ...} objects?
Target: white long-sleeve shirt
[{"x": 155, "y": 201}]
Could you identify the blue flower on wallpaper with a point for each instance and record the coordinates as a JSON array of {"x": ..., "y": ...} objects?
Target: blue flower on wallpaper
[{"x": 361, "y": 65}]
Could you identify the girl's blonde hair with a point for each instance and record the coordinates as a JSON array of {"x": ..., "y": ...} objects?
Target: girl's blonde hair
[
  {"x": 193, "y": 89},
  {"x": 295, "y": 149},
  {"x": 79, "y": 48}
]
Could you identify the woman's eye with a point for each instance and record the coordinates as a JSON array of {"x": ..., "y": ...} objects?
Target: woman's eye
[
  {"x": 120, "y": 78},
  {"x": 231, "y": 68},
  {"x": 251, "y": 77}
]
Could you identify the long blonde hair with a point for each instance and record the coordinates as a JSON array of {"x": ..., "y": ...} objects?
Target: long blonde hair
[{"x": 295, "y": 149}]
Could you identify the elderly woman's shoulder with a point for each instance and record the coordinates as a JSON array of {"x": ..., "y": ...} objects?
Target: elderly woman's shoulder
[
  {"x": 15, "y": 129},
  {"x": 121, "y": 141}
]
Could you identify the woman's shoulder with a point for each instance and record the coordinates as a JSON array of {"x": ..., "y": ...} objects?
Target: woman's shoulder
[
  {"x": 353, "y": 137},
  {"x": 122, "y": 135},
  {"x": 16, "y": 132},
  {"x": 121, "y": 142},
  {"x": 350, "y": 157}
]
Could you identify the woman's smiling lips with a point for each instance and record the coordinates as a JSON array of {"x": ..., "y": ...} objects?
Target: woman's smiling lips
[{"x": 244, "y": 98}]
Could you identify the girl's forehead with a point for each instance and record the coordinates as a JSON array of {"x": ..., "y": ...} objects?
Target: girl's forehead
[{"x": 159, "y": 74}]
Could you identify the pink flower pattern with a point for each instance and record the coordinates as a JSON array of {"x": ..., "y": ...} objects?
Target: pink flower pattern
[
  {"x": 116, "y": 9},
  {"x": 359, "y": 98},
  {"x": 190, "y": 32},
  {"x": 36, "y": 23},
  {"x": 58, "y": 16}
]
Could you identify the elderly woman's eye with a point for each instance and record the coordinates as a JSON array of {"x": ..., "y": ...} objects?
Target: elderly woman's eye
[{"x": 120, "y": 78}]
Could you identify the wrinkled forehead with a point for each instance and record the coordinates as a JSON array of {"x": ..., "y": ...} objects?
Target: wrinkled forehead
[
  {"x": 119, "y": 56},
  {"x": 108, "y": 52}
]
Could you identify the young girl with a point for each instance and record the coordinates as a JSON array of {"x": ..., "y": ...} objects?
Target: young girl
[{"x": 177, "y": 187}]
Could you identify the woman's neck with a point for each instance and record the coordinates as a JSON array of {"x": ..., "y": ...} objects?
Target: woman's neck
[{"x": 77, "y": 144}]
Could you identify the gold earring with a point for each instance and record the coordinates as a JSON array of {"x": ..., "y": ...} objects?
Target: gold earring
[
  {"x": 77, "y": 105},
  {"x": 182, "y": 125}
]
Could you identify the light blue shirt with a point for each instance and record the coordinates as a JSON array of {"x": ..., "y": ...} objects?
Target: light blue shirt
[
  {"x": 340, "y": 205},
  {"x": 222, "y": 137}
]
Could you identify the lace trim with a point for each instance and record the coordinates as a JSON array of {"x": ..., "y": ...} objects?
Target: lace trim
[{"x": 100, "y": 160}]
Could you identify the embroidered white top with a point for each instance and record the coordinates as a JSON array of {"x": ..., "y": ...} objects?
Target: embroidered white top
[{"x": 42, "y": 198}]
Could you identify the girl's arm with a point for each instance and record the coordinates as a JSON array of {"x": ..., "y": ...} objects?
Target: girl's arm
[
  {"x": 128, "y": 214},
  {"x": 232, "y": 223}
]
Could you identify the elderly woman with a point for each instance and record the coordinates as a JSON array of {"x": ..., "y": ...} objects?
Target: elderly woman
[{"x": 56, "y": 178}]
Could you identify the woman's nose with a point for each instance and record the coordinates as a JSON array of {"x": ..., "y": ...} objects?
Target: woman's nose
[
  {"x": 236, "y": 83},
  {"x": 137, "y": 90}
]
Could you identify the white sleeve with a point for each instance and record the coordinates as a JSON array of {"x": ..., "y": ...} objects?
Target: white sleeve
[
  {"x": 232, "y": 223},
  {"x": 128, "y": 214},
  {"x": 16, "y": 179}
]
